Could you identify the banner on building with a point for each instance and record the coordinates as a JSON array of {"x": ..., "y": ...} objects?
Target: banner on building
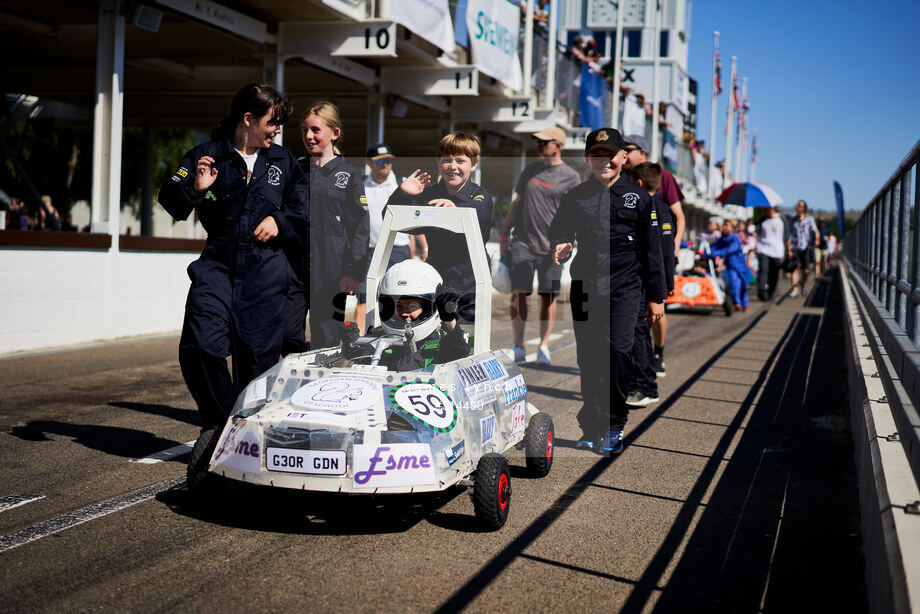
[
  {"x": 493, "y": 28},
  {"x": 592, "y": 99},
  {"x": 429, "y": 19}
]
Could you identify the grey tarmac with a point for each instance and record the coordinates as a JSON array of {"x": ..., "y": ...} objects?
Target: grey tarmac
[{"x": 736, "y": 493}]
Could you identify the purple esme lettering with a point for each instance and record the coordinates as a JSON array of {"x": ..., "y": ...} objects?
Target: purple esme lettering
[{"x": 363, "y": 477}]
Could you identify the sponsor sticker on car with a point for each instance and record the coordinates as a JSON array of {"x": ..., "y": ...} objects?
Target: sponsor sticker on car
[
  {"x": 313, "y": 462},
  {"x": 345, "y": 394},
  {"x": 518, "y": 418},
  {"x": 453, "y": 454},
  {"x": 487, "y": 429},
  {"x": 425, "y": 403},
  {"x": 239, "y": 449},
  {"x": 395, "y": 464},
  {"x": 514, "y": 389}
]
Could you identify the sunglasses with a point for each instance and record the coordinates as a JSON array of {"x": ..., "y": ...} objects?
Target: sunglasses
[
  {"x": 383, "y": 161},
  {"x": 542, "y": 143}
]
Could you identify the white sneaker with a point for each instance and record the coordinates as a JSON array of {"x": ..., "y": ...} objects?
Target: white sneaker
[
  {"x": 794, "y": 293},
  {"x": 543, "y": 355},
  {"x": 516, "y": 353}
]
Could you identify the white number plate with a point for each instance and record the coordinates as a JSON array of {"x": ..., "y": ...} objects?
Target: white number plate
[{"x": 315, "y": 462}]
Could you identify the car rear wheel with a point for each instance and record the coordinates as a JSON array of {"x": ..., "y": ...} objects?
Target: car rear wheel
[
  {"x": 492, "y": 491},
  {"x": 539, "y": 445}
]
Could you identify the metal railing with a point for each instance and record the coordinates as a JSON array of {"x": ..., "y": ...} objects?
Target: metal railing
[
  {"x": 882, "y": 250},
  {"x": 884, "y": 246}
]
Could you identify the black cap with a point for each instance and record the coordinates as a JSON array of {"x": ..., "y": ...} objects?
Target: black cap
[
  {"x": 380, "y": 150},
  {"x": 609, "y": 138}
]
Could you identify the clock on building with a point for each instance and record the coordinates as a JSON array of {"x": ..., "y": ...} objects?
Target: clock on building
[{"x": 602, "y": 14}]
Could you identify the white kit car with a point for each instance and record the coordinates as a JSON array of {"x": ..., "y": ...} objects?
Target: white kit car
[{"x": 320, "y": 421}]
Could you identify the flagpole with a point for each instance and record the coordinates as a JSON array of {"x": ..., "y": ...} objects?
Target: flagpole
[
  {"x": 730, "y": 128},
  {"x": 739, "y": 138},
  {"x": 712, "y": 114},
  {"x": 528, "y": 49},
  {"x": 656, "y": 146},
  {"x": 549, "y": 99},
  {"x": 617, "y": 68}
]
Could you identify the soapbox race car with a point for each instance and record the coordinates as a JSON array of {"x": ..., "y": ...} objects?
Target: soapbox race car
[{"x": 337, "y": 421}]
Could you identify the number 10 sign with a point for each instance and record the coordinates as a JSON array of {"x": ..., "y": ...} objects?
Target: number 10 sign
[{"x": 425, "y": 403}]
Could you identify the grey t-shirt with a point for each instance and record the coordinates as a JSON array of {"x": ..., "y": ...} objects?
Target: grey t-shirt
[{"x": 541, "y": 189}]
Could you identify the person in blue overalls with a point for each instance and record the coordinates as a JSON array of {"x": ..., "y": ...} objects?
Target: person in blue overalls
[
  {"x": 335, "y": 258},
  {"x": 618, "y": 267},
  {"x": 728, "y": 248},
  {"x": 249, "y": 195}
]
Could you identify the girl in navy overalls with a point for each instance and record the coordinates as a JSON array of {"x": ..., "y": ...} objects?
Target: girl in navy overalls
[
  {"x": 335, "y": 255},
  {"x": 249, "y": 195}
]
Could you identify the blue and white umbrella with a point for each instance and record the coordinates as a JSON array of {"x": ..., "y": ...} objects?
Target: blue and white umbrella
[{"x": 750, "y": 194}]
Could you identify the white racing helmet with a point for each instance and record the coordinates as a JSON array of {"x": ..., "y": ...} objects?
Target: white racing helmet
[{"x": 409, "y": 279}]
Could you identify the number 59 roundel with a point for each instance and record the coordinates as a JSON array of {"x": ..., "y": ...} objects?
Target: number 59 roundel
[{"x": 425, "y": 403}]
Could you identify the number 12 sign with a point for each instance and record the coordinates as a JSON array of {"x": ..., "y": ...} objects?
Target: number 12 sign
[{"x": 425, "y": 403}]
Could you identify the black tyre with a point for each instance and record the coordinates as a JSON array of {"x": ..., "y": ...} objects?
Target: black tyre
[
  {"x": 540, "y": 445},
  {"x": 492, "y": 491},
  {"x": 727, "y": 307},
  {"x": 197, "y": 476}
]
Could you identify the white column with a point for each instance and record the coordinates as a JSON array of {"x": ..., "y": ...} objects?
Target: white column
[
  {"x": 712, "y": 117},
  {"x": 549, "y": 101},
  {"x": 381, "y": 116},
  {"x": 273, "y": 73},
  {"x": 107, "y": 121},
  {"x": 528, "y": 49},
  {"x": 730, "y": 129},
  {"x": 655, "y": 154},
  {"x": 617, "y": 68}
]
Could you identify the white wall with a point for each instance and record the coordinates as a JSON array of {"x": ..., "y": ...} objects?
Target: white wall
[{"x": 54, "y": 297}]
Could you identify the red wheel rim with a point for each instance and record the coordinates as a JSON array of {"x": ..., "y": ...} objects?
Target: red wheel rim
[
  {"x": 549, "y": 445},
  {"x": 502, "y": 491}
]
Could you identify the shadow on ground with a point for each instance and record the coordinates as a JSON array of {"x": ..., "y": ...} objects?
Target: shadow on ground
[
  {"x": 118, "y": 441},
  {"x": 279, "y": 510}
]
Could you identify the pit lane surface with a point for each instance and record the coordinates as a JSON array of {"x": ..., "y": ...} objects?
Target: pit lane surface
[{"x": 735, "y": 493}]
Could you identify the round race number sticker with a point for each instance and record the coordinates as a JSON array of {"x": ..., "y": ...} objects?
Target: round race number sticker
[
  {"x": 345, "y": 394},
  {"x": 691, "y": 289},
  {"x": 426, "y": 403}
]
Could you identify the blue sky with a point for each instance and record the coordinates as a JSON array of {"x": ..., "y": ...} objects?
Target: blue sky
[{"x": 834, "y": 89}]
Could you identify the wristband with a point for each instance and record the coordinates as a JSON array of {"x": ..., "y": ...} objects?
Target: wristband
[
  {"x": 425, "y": 250},
  {"x": 195, "y": 193}
]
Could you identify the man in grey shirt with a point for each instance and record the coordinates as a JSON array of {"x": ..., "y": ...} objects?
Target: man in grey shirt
[{"x": 539, "y": 190}]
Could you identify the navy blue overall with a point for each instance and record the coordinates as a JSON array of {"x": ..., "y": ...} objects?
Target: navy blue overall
[
  {"x": 235, "y": 302},
  {"x": 618, "y": 267}
]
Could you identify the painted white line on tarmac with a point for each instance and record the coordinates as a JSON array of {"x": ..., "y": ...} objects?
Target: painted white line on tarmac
[
  {"x": 168, "y": 454},
  {"x": 552, "y": 337},
  {"x": 11, "y": 501},
  {"x": 90, "y": 512},
  {"x": 532, "y": 357}
]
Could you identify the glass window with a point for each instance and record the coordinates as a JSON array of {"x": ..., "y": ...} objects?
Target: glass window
[
  {"x": 633, "y": 43},
  {"x": 663, "y": 44}
]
